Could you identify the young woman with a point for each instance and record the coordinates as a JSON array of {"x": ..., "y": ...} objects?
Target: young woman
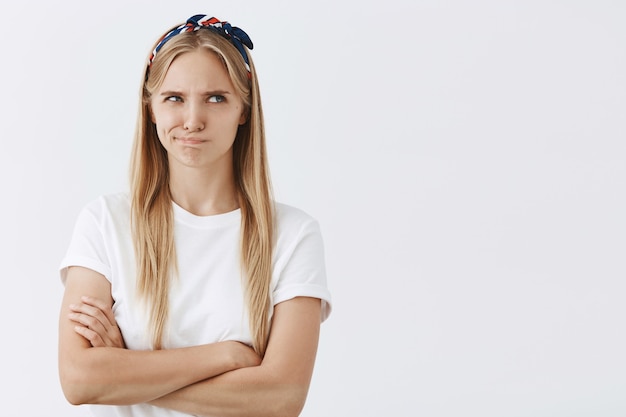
[{"x": 195, "y": 293}]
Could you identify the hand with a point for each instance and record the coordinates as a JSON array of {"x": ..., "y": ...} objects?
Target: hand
[
  {"x": 243, "y": 356},
  {"x": 96, "y": 323}
]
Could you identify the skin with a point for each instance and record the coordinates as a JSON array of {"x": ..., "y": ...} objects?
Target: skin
[{"x": 196, "y": 112}]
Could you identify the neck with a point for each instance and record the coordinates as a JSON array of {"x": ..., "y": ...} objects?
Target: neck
[{"x": 204, "y": 192}]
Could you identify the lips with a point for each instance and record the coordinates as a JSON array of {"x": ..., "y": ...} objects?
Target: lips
[{"x": 190, "y": 140}]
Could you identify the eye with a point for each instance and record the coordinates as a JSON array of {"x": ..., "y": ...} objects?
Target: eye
[
  {"x": 216, "y": 99},
  {"x": 174, "y": 98}
]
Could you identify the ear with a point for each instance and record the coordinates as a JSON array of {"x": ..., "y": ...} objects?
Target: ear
[{"x": 243, "y": 118}]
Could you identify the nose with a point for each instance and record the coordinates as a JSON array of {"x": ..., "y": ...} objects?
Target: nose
[{"x": 194, "y": 120}]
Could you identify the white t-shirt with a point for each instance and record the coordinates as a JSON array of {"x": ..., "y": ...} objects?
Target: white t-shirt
[{"x": 207, "y": 301}]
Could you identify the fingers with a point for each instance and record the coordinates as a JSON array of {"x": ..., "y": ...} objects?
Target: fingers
[
  {"x": 93, "y": 337},
  {"x": 96, "y": 309},
  {"x": 89, "y": 316},
  {"x": 96, "y": 322},
  {"x": 88, "y": 322},
  {"x": 101, "y": 306}
]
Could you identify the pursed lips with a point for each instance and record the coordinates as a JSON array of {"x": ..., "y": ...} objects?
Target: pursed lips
[{"x": 190, "y": 140}]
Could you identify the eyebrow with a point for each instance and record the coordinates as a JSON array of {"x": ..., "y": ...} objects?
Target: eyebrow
[{"x": 206, "y": 93}]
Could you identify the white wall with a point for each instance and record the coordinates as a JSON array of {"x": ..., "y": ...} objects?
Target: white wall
[{"x": 466, "y": 161}]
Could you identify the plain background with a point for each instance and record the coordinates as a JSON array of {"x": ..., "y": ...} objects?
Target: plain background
[{"x": 466, "y": 161}]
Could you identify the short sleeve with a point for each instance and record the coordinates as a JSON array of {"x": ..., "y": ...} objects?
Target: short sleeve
[
  {"x": 87, "y": 247},
  {"x": 300, "y": 269}
]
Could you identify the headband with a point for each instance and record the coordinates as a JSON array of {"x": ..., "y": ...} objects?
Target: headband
[{"x": 236, "y": 36}]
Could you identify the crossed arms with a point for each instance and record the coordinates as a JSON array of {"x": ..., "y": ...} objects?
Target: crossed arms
[{"x": 219, "y": 379}]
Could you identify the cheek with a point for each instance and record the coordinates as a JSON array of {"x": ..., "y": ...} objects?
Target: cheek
[
  {"x": 241, "y": 114},
  {"x": 163, "y": 122},
  {"x": 162, "y": 133}
]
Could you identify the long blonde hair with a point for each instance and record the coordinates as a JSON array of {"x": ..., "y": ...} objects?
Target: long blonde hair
[{"x": 151, "y": 204}]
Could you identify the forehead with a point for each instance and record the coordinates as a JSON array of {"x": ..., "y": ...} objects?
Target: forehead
[{"x": 198, "y": 69}]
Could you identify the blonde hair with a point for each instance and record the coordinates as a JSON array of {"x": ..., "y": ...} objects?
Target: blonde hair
[{"x": 151, "y": 204}]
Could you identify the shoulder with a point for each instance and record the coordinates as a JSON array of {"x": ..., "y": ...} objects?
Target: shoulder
[
  {"x": 292, "y": 219},
  {"x": 102, "y": 226},
  {"x": 109, "y": 204},
  {"x": 106, "y": 211},
  {"x": 293, "y": 227},
  {"x": 299, "y": 265}
]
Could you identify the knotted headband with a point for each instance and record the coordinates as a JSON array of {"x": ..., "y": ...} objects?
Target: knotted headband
[{"x": 236, "y": 36}]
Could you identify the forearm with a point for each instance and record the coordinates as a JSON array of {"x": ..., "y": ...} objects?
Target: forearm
[
  {"x": 277, "y": 387},
  {"x": 106, "y": 375},
  {"x": 110, "y": 374},
  {"x": 255, "y": 391}
]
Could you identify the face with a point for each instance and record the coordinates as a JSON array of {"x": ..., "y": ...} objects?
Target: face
[{"x": 197, "y": 112}]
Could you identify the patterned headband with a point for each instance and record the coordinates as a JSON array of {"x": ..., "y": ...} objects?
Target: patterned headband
[{"x": 235, "y": 35}]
